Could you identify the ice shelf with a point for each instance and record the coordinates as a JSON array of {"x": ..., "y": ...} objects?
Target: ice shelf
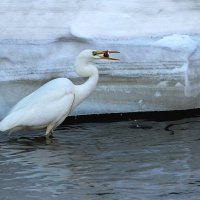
[{"x": 159, "y": 66}]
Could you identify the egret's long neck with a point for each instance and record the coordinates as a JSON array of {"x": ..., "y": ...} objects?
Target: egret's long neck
[{"x": 85, "y": 69}]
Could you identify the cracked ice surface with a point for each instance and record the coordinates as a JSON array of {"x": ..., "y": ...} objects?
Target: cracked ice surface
[{"x": 158, "y": 40}]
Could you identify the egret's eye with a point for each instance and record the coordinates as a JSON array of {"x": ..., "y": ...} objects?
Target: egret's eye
[{"x": 94, "y": 53}]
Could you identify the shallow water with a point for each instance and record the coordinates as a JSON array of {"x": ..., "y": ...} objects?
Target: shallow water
[{"x": 134, "y": 160}]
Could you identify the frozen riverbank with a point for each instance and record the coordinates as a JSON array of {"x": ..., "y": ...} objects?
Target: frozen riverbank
[
  {"x": 160, "y": 74},
  {"x": 159, "y": 60}
]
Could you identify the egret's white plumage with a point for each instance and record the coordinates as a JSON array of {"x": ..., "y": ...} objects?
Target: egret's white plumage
[{"x": 48, "y": 106}]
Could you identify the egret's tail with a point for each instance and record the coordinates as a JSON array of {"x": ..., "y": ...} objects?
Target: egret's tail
[{"x": 9, "y": 122}]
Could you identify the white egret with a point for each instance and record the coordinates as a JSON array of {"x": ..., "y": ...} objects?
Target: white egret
[{"x": 48, "y": 106}]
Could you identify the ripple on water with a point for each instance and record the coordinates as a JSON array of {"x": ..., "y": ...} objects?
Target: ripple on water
[{"x": 120, "y": 160}]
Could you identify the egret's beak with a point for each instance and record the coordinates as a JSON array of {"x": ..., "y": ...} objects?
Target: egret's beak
[{"x": 105, "y": 55}]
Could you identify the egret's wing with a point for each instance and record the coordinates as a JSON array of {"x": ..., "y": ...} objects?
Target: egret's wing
[
  {"x": 47, "y": 104},
  {"x": 52, "y": 90}
]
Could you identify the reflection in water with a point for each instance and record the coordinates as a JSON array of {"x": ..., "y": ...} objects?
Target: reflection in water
[{"x": 118, "y": 160}]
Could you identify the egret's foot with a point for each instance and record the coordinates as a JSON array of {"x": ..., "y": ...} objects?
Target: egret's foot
[
  {"x": 49, "y": 136},
  {"x": 49, "y": 140}
]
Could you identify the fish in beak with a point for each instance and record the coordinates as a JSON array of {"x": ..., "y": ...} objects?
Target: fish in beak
[{"x": 106, "y": 54}]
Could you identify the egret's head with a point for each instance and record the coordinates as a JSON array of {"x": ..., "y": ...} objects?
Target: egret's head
[
  {"x": 95, "y": 54},
  {"x": 82, "y": 66}
]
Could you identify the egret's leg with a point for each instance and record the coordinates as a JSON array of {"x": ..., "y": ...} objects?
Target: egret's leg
[{"x": 49, "y": 131}]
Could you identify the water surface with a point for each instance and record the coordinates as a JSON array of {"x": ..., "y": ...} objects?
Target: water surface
[{"x": 134, "y": 160}]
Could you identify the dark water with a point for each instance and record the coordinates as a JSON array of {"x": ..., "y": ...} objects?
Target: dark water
[{"x": 134, "y": 160}]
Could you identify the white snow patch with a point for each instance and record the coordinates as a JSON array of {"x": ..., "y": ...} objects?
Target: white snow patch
[
  {"x": 178, "y": 84},
  {"x": 182, "y": 69},
  {"x": 157, "y": 94},
  {"x": 140, "y": 101},
  {"x": 177, "y": 43},
  {"x": 162, "y": 84}
]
